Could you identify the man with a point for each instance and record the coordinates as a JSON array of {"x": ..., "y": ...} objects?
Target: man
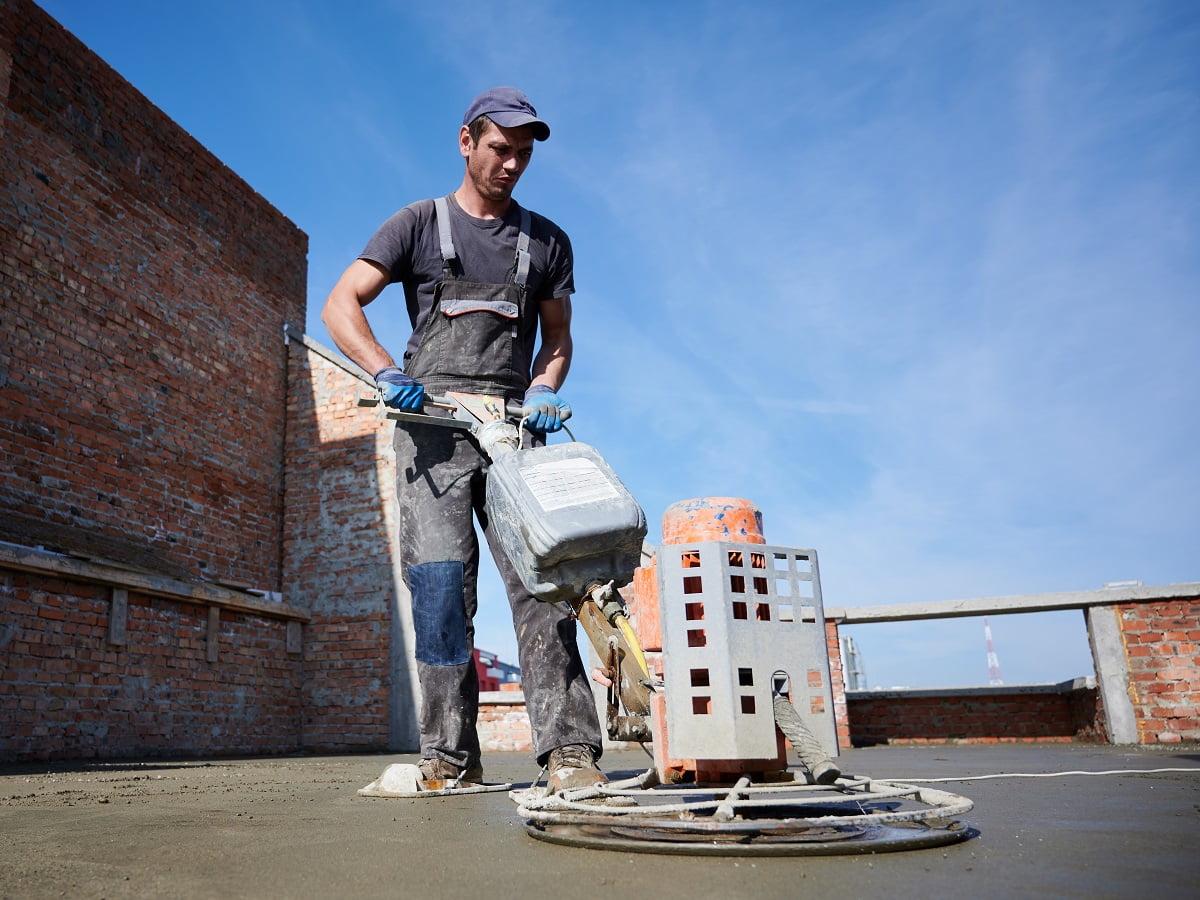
[{"x": 482, "y": 278}]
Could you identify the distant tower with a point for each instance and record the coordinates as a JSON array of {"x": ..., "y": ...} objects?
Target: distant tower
[
  {"x": 993, "y": 660},
  {"x": 852, "y": 667}
]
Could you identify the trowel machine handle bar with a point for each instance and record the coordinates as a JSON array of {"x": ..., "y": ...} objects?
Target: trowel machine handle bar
[
  {"x": 512, "y": 409},
  {"x": 465, "y": 411},
  {"x": 484, "y": 410}
]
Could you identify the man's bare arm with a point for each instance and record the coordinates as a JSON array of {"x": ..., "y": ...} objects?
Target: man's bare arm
[
  {"x": 343, "y": 314},
  {"x": 554, "y": 356}
]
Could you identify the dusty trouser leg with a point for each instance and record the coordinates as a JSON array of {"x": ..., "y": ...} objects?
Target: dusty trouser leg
[
  {"x": 438, "y": 473},
  {"x": 558, "y": 695}
]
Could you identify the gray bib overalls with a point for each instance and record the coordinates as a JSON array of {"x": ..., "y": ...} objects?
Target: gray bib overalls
[
  {"x": 472, "y": 339},
  {"x": 472, "y": 343}
]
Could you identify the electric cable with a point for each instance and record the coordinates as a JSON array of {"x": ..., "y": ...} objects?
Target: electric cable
[{"x": 1042, "y": 775}]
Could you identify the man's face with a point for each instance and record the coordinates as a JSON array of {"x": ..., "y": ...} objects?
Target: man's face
[{"x": 496, "y": 161}]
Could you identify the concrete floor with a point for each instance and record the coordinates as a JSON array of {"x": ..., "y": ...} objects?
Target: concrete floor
[{"x": 294, "y": 827}]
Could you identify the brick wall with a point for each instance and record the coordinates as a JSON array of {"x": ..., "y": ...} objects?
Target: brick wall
[
  {"x": 145, "y": 288},
  {"x": 143, "y": 292},
  {"x": 359, "y": 688},
  {"x": 1162, "y": 649},
  {"x": 975, "y": 715},
  {"x": 71, "y": 693},
  {"x": 504, "y": 721}
]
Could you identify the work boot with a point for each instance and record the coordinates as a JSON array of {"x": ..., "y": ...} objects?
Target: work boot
[
  {"x": 439, "y": 770},
  {"x": 573, "y": 766}
]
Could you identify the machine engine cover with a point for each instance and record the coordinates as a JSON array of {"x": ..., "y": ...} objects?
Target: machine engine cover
[{"x": 564, "y": 519}]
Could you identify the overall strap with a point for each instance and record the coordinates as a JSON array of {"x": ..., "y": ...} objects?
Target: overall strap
[
  {"x": 449, "y": 254},
  {"x": 522, "y": 273},
  {"x": 442, "y": 210}
]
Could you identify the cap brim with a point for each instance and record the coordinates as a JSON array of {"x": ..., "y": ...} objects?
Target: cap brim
[{"x": 541, "y": 130}]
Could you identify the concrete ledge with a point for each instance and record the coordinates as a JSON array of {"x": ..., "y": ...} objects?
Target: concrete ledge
[
  {"x": 501, "y": 698},
  {"x": 292, "y": 333},
  {"x": 999, "y": 690},
  {"x": 1022, "y": 603}
]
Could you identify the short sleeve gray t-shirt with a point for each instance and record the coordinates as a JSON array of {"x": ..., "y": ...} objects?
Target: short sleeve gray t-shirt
[{"x": 407, "y": 246}]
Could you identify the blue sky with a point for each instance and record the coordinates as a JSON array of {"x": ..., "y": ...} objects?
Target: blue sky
[{"x": 920, "y": 279}]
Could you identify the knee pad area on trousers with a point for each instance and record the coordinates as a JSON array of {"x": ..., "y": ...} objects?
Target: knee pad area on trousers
[{"x": 439, "y": 615}]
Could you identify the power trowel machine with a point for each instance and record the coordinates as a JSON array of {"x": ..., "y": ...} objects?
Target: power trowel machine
[{"x": 713, "y": 652}]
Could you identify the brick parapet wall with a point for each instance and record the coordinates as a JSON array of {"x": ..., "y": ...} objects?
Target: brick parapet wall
[
  {"x": 1162, "y": 649},
  {"x": 145, "y": 288},
  {"x": 975, "y": 715},
  {"x": 504, "y": 723},
  {"x": 339, "y": 540},
  {"x": 68, "y": 692}
]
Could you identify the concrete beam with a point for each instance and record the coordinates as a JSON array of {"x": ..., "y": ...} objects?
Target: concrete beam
[
  {"x": 1112, "y": 673},
  {"x": 1022, "y": 603}
]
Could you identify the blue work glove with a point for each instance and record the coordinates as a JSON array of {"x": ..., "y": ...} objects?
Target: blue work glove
[
  {"x": 399, "y": 391},
  {"x": 544, "y": 410}
]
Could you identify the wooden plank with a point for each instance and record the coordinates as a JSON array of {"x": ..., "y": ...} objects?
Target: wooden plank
[
  {"x": 28, "y": 559},
  {"x": 295, "y": 637},
  {"x": 213, "y": 648},
  {"x": 118, "y": 612}
]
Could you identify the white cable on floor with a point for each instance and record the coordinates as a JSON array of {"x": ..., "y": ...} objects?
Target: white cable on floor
[{"x": 1038, "y": 775}]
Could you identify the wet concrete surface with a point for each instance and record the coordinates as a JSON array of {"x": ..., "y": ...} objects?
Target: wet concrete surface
[{"x": 295, "y": 827}]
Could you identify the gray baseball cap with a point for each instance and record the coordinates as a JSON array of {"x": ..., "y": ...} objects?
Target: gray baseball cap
[{"x": 509, "y": 108}]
